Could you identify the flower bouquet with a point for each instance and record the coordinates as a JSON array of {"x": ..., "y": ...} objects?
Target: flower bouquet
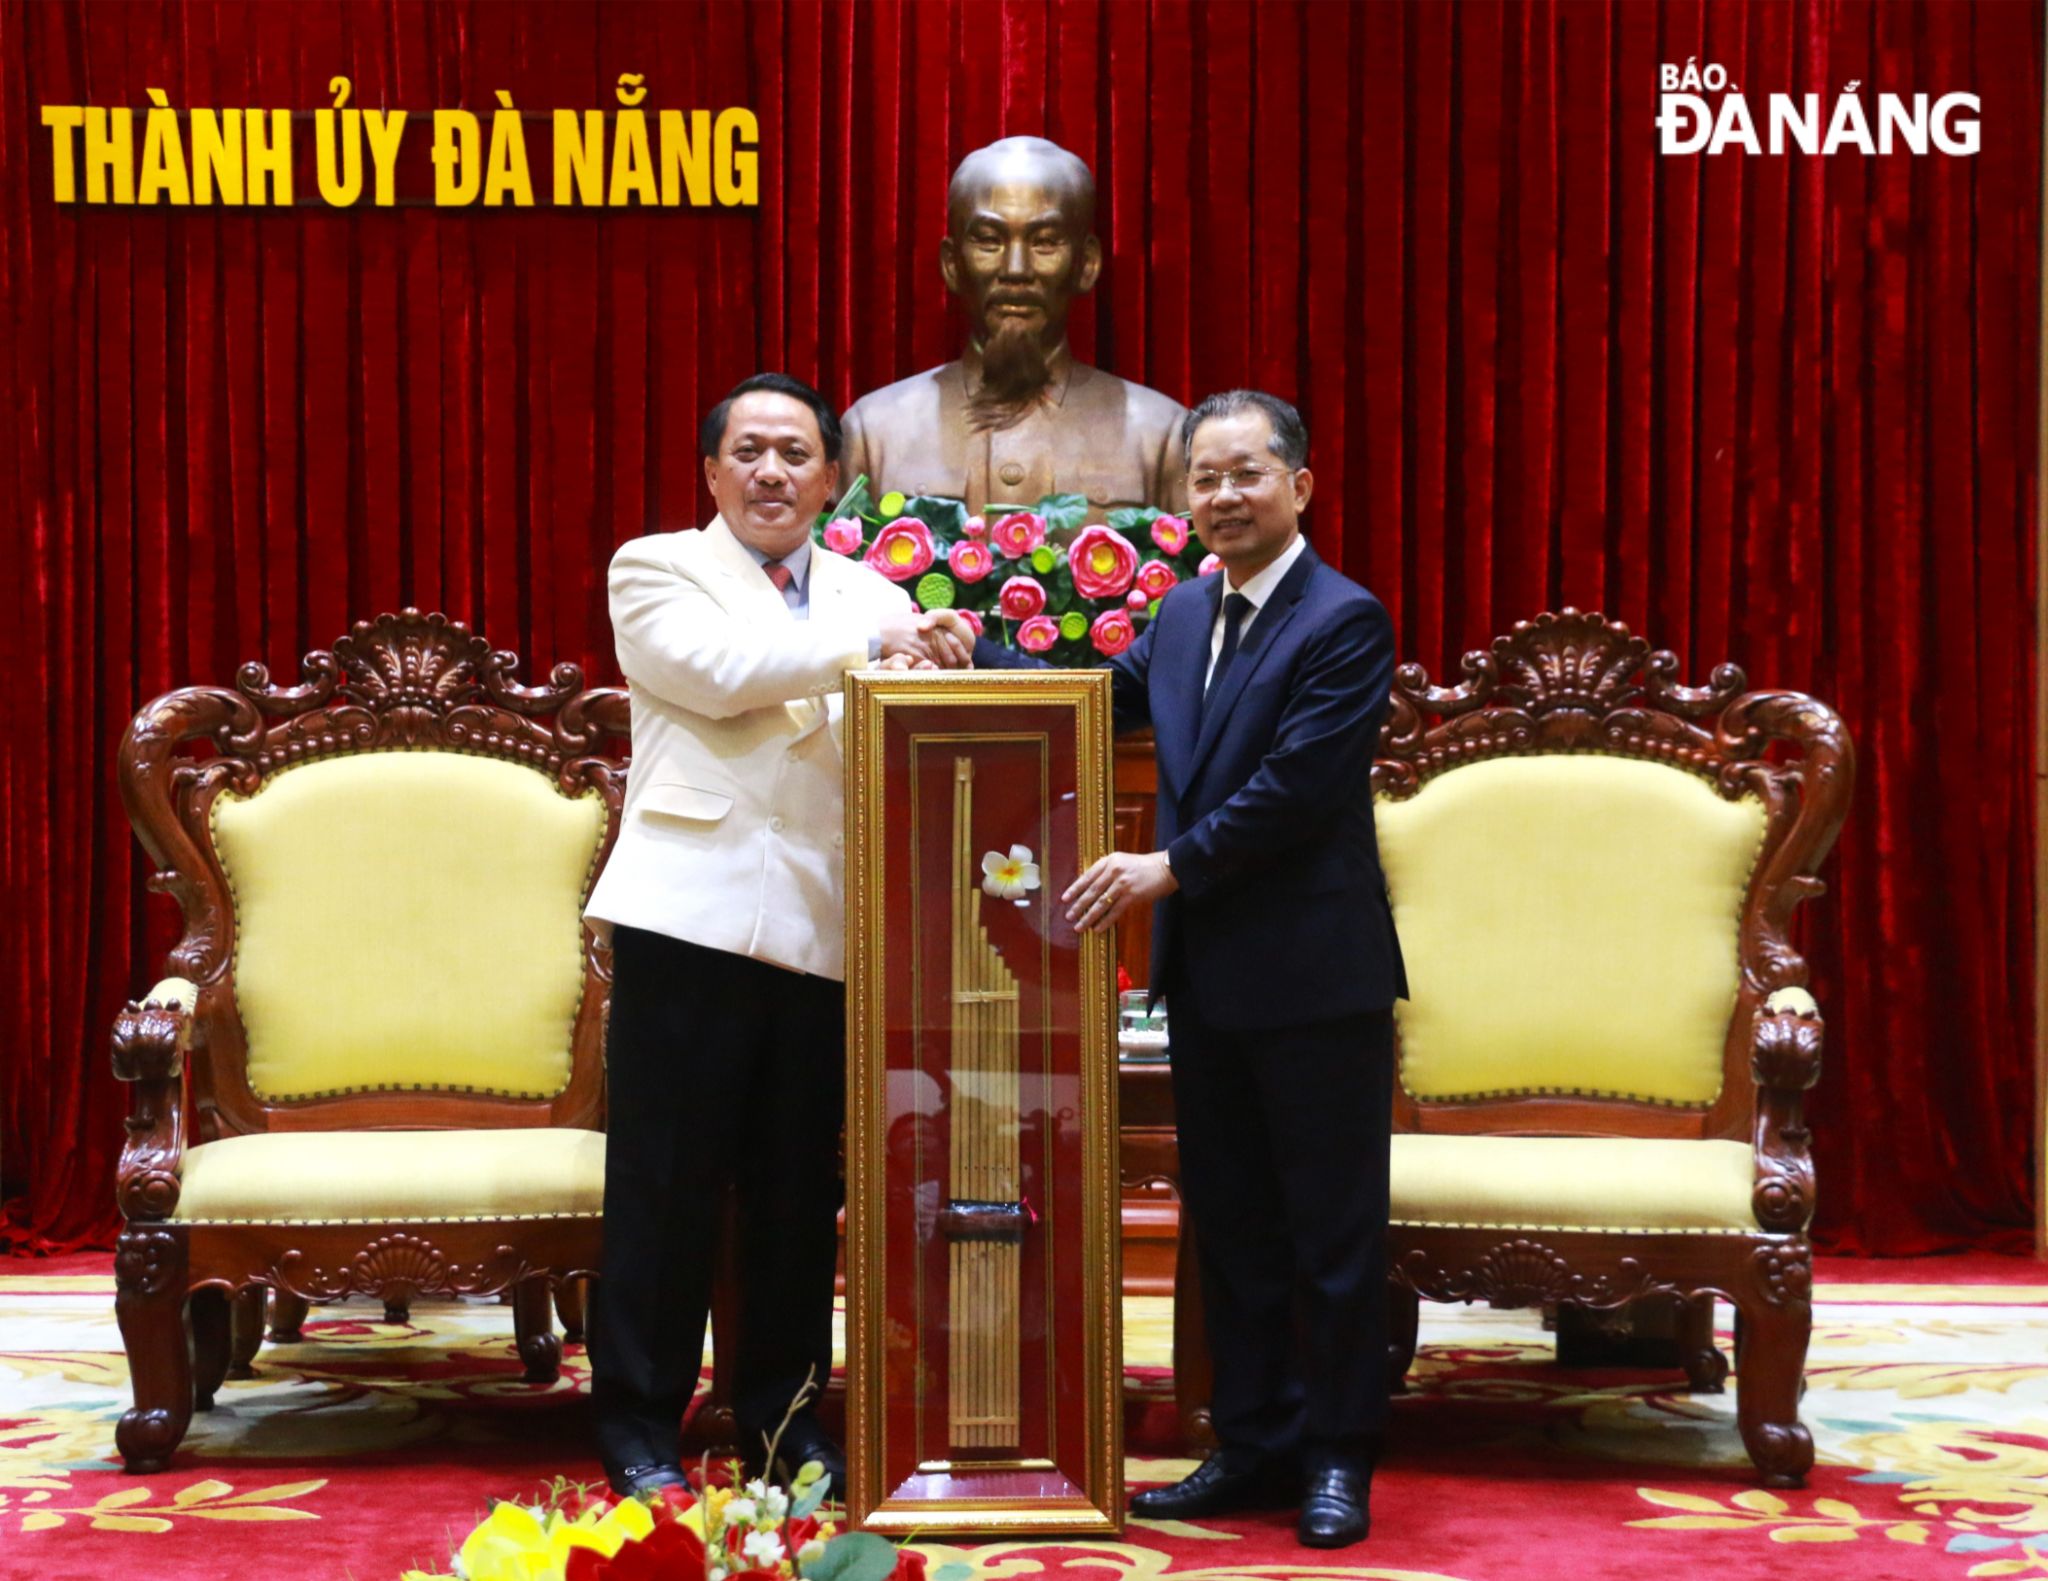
[
  {"x": 716, "y": 1529},
  {"x": 1037, "y": 578},
  {"x": 712, "y": 1528}
]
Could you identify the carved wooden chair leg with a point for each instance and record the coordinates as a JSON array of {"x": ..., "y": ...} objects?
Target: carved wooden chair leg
[
  {"x": 1777, "y": 1312},
  {"x": 149, "y": 1302},
  {"x": 245, "y": 1329},
  {"x": 572, "y": 1298},
  {"x": 1706, "y": 1369},
  {"x": 288, "y": 1318},
  {"x": 398, "y": 1309},
  {"x": 1193, "y": 1372},
  {"x": 1404, "y": 1321},
  {"x": 534, "y": 1325},
  {"x": 210, "y": 1347}
]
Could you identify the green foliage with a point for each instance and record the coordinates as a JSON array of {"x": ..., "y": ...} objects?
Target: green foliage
[
  {"x": 1064, "y": 512},
  {"x": 947, "y": 518},
  {"x": 854, "y": 1556}
]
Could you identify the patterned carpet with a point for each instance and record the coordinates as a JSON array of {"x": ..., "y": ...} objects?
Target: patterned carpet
[{"x": 371, "y": 1447}]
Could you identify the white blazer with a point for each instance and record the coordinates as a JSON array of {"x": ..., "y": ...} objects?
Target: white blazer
[{"x": 733, "y": 835}]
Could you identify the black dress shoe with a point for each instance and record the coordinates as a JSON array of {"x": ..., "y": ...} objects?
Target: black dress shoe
[
  {"x": 1215, "y": 1487},
  {"x": 1336, "y": 1509},
  {"x": 643, "y": 1482},
  {"x": 802, "y": 1441}
]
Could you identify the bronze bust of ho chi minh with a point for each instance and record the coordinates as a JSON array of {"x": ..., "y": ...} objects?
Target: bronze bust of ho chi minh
[{"x": 1016, "y": 417}]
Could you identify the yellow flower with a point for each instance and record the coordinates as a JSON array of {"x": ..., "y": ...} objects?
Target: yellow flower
[
  {"x": 627, "y": 1521},
  {"x": 510, "y": 1545}
]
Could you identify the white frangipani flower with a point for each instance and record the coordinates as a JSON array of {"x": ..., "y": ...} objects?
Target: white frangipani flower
[{"x": 1009, "y": 877}]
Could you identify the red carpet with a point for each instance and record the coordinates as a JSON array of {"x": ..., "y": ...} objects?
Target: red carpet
[{"x": 372, "y": 1448}]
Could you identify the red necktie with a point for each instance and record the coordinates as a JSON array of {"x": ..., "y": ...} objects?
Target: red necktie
[{"x": 779, "y": 574}]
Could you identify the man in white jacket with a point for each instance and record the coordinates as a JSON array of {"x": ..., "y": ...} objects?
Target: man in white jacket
[{"x": 724, "y": 898}]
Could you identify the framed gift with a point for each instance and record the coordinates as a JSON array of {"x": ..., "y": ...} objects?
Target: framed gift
[{"x": 984, "y": 1342}]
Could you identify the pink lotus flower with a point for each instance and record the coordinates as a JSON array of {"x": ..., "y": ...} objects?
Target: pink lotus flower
[
  {"x": 1170, "y": 533},
  {"x": 975, "y": 527},
  {"x": 1156, "y": 579},
  {"x": 1136, "y": 600},
  {"x": 843, "y": 536},
  {"x": 1103, "y": 562},
  {"x": 1021, "y": 598},
  {"x": 902, "y": 550},
  {"x": 970, "y": 561},
  {"x": 1038, "y": 633},
  {"x": 1210, "y": 564},
  {"x": 973, "y": 620},
  {"x": 1017, "y": 534},
  {"x": 1112, "y": 632}
]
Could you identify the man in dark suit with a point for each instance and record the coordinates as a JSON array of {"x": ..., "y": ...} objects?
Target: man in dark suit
[{"x": 1274, "y": 946}]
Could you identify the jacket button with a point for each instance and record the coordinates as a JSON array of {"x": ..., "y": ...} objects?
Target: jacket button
[
  {"x": 1012, "y": 473},
  {"x": 775, "y": 823}
]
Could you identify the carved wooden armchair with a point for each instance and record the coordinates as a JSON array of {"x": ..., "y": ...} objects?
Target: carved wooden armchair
[
  {"x": 1603, "y": 1062},
  {"x": 375, "y": 1065}
]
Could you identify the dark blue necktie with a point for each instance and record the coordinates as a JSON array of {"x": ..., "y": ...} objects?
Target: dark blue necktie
[{"x": 1235, "y": 607}]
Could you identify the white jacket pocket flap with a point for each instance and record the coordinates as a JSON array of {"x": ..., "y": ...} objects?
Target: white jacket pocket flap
[{"x": 676, "y": 800}]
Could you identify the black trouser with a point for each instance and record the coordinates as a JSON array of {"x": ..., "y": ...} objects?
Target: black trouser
[
  {"x": 1283, "y": 1168},
  {"x": 718, "y": 1068}
]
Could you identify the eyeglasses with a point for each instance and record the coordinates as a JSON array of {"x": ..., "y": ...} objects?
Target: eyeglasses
[{"x": 1207, "y": 485}]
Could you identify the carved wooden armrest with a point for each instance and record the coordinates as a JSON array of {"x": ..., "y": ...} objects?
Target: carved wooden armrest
[
  {"x": 1785, "y": 1061},
  {"x": 150, "y": 1042}
]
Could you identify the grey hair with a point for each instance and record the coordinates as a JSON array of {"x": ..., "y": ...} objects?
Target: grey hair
[{"x": 1290, "y": 434}]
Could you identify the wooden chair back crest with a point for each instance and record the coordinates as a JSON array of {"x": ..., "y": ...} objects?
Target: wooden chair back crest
[
  {"x": 400, "y": 682},
  {"x": 1568, "y": 682}
]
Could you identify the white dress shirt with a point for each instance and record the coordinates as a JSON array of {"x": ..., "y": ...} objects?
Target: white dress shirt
[{"x": 1258, "y": 589}]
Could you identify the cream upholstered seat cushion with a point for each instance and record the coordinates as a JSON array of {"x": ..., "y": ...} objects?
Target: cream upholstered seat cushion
[
  {"x": 408, "y": 920},
  {"x": 301, "y": 1177},
  {"x": 1573, "y": 1183},
  {"x": 1570, "y": 925}
]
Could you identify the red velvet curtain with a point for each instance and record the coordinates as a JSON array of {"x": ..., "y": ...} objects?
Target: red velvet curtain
[{"x": 1780, "y": 410}]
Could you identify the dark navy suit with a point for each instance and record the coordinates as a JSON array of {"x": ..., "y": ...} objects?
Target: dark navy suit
[{"x": 1279, "y": 963}]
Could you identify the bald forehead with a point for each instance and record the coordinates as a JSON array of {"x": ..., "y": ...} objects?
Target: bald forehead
[{"x": 1021, "y": 173}]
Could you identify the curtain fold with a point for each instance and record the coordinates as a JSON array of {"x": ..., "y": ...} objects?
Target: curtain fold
[{"x": 1780, "y": 410}]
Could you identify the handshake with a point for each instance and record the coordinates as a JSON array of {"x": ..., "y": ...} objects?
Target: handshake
[{"x": 937, "y": 639}]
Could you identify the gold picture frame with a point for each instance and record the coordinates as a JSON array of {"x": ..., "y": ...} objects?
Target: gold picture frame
[{"x": 983, "y": 1245}]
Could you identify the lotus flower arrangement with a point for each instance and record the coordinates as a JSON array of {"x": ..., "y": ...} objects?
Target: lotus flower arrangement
[{"x": 1040, "y": 578}]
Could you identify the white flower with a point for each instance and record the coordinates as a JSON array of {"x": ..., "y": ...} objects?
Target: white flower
[
  {"x": 1009, "y": 877},
  {"x": 764, "y": 1549},
  {"x": 776, "y": 1503},
  {"x": 741, "y": 1512}
]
